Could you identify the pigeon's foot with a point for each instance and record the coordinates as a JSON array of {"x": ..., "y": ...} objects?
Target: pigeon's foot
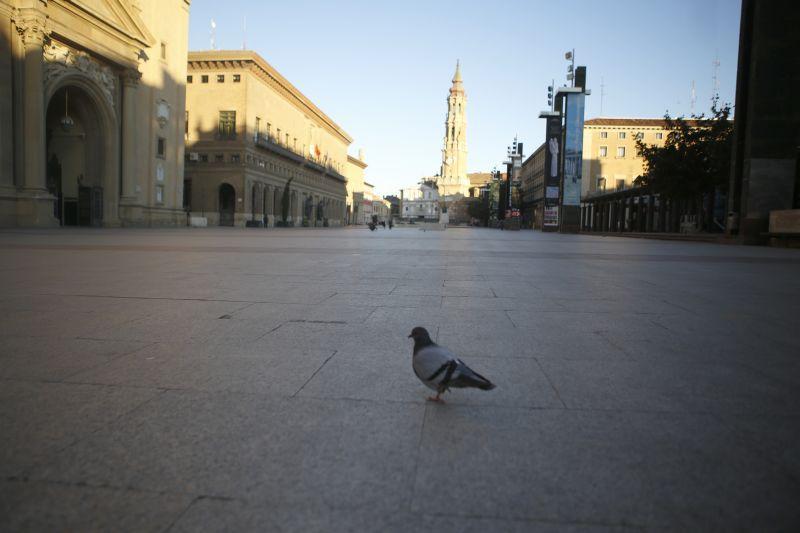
[{"x": 435, "y": 399}]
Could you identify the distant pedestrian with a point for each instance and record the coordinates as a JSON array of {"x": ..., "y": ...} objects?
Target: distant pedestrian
[{"x": 390, "y": 224}]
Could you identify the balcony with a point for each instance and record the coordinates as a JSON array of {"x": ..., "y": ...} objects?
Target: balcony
[{"x": 274, "y": 145}]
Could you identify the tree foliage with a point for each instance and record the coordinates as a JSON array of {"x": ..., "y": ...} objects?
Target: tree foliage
[{"x": 695, "y": 158}]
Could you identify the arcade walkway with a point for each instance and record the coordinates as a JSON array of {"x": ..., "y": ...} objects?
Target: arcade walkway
[{"x": 260, "y": 380}]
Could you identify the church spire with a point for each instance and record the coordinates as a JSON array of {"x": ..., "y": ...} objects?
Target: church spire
[{"x": 457, "y": 76}]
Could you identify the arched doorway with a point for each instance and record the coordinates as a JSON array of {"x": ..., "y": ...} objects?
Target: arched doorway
[
  {"x": 76, "y": 158},
  {"x": 227, "y": 204}
]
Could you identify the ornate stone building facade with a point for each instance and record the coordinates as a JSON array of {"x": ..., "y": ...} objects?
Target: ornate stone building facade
[
  {"x": 91, "y": 102},
  {"x": 453, "y": 180},
  {"x": 249, "y": 133}
]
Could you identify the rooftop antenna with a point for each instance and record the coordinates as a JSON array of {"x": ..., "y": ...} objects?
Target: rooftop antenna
[
  {"x": 602, "y": 94},
  {"x": 693, "y": 99},
  {"x": 213, "y": 35},
  {"x": 244, "y": 34},
  {"x": 715, "y": 77}
]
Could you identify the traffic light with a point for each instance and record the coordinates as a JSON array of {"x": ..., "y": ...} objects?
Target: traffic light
[{"x": 550, "y": 95}]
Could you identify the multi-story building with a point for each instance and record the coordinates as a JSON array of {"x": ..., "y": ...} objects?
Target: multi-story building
[
  {"x": 610, "y": 160},
  {"x": 532, "y": 185},
  {"x": 394, "y": 202},
  {"x": 354, "y": 172},
  {"x": 421, "y": 202},
  {"x": 382, "y": 209},
  {"x": 249, "y": 133},
  {"x": 91, "y": 112}
]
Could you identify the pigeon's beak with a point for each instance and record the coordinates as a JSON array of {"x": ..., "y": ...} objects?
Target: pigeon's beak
[{"x": 410, "y": 336}]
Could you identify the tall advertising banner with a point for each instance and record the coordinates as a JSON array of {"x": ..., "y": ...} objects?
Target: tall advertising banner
[
  {"x": 573, "y": 149},
  {"x": 552, "y": 180}
]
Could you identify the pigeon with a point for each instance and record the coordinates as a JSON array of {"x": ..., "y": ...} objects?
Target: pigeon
[{"x": 439, "y": 369}]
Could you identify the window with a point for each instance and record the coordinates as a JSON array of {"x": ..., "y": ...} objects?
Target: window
[
  {"x": 621, "y": 135},
  {"x": 659, "y": 135},
  {"x": 188, "y": 79},
  {"x": 601, "y": 183},
  {"x": 604, "y": 151},
  {"x": 287, "y": 139},
  {"x": 258, "y": 128},
  {"x": 219, "y": 158},
  {"x": 620, "y": 184},
  {"x": 227, "y": 123},
  {"x": 220, "y": 78},
  {"x": 604, "y": 135},
  {"x": 279, "y": 135},
  {"x": 620, "y": 151},
  {"x": 161, "y": 147},
  {"x": 236, "y": 158},
  {"x": 640, "y": 135},
  {"x": 163, "y": 50},
  {"x": 204, "y": 158},
  {"x": 269, "y": 129},
  {"x": 204, "y": 78},
  {"x": 186, "y": 123},
  {"x": 237, "y": 78},
  {"x": 295, "y": 144},
  {"x": 159, "y": 194}
]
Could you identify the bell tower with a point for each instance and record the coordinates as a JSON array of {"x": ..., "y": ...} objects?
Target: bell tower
[{"x": 453, "y": 176}]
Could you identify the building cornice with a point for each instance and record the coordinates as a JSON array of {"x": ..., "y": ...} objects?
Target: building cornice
[
  {"x": 356, "y": 161},
  {"x": 246, "y": 59}
]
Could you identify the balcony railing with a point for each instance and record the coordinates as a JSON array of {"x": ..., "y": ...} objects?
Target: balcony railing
[{"x": 275, "y": 145}]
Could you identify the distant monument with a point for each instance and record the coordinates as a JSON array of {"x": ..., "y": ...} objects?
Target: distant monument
[{"x": 453, "y": 181}]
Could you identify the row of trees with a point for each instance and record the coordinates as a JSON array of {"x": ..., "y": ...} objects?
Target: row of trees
[{"x": 692, "y": 168}]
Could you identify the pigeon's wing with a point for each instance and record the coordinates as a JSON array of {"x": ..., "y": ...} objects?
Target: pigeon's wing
[
  {"x": 465, "y": 377},
  {"x": 431, "y": 363}
]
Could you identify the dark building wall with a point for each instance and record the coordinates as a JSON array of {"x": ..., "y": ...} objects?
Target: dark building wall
[{"x": 767, "y": 114}]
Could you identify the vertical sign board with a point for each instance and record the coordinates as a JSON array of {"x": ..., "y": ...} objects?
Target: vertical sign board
[
  {"x": 573, "y": 149},
  {"x": 552, "y": 180}
]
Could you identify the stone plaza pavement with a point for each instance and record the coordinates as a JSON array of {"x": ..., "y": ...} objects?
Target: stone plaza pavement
[{"x": 260, "y": 380}]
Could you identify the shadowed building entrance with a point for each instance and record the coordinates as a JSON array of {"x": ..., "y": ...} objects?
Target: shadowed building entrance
[
  {"x": 227, "y": 204},
  {"x": 75, "y": 158}
]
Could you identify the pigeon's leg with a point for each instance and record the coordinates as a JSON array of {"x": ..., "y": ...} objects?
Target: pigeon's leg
[{"x": 437, "y": 398}]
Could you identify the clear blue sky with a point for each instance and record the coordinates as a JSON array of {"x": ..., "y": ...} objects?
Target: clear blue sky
[{"x": 382, "y": 70}]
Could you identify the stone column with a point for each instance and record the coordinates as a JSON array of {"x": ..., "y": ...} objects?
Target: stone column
[
  {"x": 31, "y": 27},
  {"x": 6, "y": 100},
  {"x": 130, "y": 86}
]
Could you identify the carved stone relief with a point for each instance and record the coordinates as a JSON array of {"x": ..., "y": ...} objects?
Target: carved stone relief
[{"x": 61, "y": 61}]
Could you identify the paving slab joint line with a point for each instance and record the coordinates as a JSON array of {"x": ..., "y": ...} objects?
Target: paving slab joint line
[
  {"x": 52, "y": 457},
  {"x": 369, "y": 315},
  {"x": 417, "y": 457},
  {"x": 111, "y": 359},
  {"x": 315, "y": 373},
  {"x": 538, "y": 520},
  {"x": 505, "y": 311},
  {"x": 552, "y": 385}
]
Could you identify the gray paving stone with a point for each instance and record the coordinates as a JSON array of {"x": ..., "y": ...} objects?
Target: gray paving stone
[
  {"x": 251, "y": 368},
  {"x": 54, "y": 358},
  {"x": 37, "y": 506},
  {"x": 295, "y": 453},
  {"x": 625, "y": 469},
  {"x": 670, "y": 386},
  {"x": 236, "y": 380},
  {"x": 39, "y": 419}
]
